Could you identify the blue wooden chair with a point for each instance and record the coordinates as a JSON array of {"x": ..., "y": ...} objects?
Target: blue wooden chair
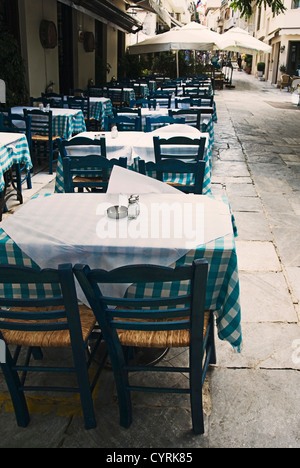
[
  {"x": 202, "y": 101},
  {"x": 192, "y": 116},
  {"x": 127, "y": 111},
  {"x": 43, "y": 143},
  {"x": 89, "y": 172},
  {"x": 143, "y": 103},
  {"x": 57, "y": 100},
  {"x": 185, "y": 176},
  {"x": 83, "y": 104},
  {"x": 152, "y": 123},
  {"x": 117, "y": 97},
  {"x": 179, "y": 147},
  {"x": 123, "y": 123},
  {"x": 34, "y": 323},
  {"x": 15, "y": 123},
  {"x": 75, "y": 146},
  {"x": 183, "y": 102},
  {"x": 179, "y": 320}
]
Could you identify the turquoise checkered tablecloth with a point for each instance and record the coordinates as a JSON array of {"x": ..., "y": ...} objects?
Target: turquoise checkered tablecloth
[
  {"x": 222, "y": 294},
  {"x": 65, "y": 122},
  {"x": 99, "y": 108},
  {"x": 13, "y": 149}
]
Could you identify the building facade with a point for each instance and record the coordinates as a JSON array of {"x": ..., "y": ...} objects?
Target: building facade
[
  {"x": 70, "y": 44},
  {"x": 282, "y": 32}
]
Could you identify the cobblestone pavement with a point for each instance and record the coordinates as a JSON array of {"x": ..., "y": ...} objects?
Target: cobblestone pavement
[{"x": 251, "y": 399}]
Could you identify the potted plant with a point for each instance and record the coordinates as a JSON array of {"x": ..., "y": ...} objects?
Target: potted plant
[
  {"x": 261, "y": 68},
  {"x": 248, "y": 60}
]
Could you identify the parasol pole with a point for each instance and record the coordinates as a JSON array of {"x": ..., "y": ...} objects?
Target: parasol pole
[{"x": 177, "y": 64}]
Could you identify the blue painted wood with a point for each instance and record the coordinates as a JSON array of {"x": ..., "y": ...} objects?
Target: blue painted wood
[
  {"x": 123, "y": 123},
  {"x": 192, "y": 116},
  {"x": 152, "y": 123},
  {"x": 162, "y": 313},
  {"x": 93, "y": 168},
  {"x": 34, "y": 318}
]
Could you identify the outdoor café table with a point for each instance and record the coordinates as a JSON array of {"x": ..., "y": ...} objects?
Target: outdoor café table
[
  {"x": 206, "y": 108},
  {"x": 13, "y": 150},
  {"x": 138, "y": 145},
  {"x": 141, "y": 88},
  {"x": 66, "y": 122},
  {"x": 77, "y": 230}
]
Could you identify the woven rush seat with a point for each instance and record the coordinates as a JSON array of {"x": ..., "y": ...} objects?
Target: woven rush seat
[
  {"x": 58, "y": 338},
  {"x": 42, "y": 137},
  {"x": 158, "y": 339},
  {"x": 87, "y": 179}
]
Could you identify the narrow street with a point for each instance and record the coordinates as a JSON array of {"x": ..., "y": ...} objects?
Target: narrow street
[{"x": 251, "y": 398}]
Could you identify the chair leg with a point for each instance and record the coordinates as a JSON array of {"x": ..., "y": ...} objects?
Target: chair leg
[
  {"x": 196, "y": 377},
  {"x": 196, "y": 401},
  {"x": 28, "y": 180},
  {"x": 17, "y": 396},
  {"x": 211, "y": 340},
  {"x": 121, "y": 382}
]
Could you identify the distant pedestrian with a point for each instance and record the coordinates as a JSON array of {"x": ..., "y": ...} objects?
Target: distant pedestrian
[{"x": 239, "y": 61}]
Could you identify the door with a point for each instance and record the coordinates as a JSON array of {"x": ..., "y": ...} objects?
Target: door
[{"x": 65, "y": 47}]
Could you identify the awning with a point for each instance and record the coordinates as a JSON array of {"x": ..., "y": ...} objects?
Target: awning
[{"x": 106, "y": 11}]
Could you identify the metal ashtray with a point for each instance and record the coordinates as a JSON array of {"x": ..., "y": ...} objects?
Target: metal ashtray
[{"x": 117, "y": 212}]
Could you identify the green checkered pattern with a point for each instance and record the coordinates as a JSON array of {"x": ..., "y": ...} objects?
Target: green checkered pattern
[
  {"x": 101, "y": 109},
  {"x": 66, "y": 125},
  {"x": 222, "y": 293}
]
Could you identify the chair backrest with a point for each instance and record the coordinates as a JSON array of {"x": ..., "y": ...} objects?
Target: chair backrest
[
  {"x": 169, "y": 88},
  {"x": 123, "y": 123},
  {"x": 130, "y": 112},
  {"x": 179, "y": 311},
  {"x": 87, "y": 168},
  {"x": 179, "y": 147},
  {"x": 78, "y": 92},
  {"x": 139, "y": 103},
  {"x": 56, "y": 100},
  {"x": 41, "y": 122},
  {"x": 96, "y": 91},
  {"x": 75, "y": 146},
  {"x": 183, "y": 102},
  {"x": 192, "y": 116},
  {"x": 185, "y": 176},
  {"x": 21, "y": 285},
  {"x": 116, "y": 96},
  {"x": 77, "y": 102},
  {"x": 16, "y": 123},
  {"x": 152, "y": 123},
  {"x": 196, "y": 92},
  {"x": 161, "y": 97},
  {"x": 20, "y": 123}
]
